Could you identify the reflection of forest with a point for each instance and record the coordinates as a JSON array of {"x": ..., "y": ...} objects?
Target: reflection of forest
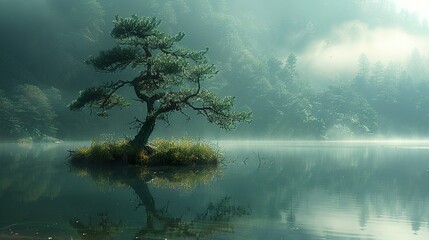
[
  {"x": 26, "y": 173},
  {"x": 159, "y": 224},
  {"x": 286, "y": 187},
  {"x": 30, "y": 178},
  {"x": 371, "y": 181}
]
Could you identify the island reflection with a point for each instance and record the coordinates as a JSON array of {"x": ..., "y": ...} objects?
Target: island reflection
[
  {"x": 217, "y": 217},
  {"x": 292, "y": 191}
]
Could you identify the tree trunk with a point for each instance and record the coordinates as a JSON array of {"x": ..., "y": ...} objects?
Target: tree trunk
[
  {"x": 142, "y": 191},
  {"x": 142, "y": 137}
]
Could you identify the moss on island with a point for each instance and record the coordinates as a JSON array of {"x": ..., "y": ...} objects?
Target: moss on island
[{"x": 160, "y": 152}]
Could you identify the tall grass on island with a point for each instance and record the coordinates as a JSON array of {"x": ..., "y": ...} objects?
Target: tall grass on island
[{"x": 159, "y": 152}]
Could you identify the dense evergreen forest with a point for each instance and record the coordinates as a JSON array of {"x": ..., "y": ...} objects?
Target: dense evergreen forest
[{"x": 262, "y": 61}]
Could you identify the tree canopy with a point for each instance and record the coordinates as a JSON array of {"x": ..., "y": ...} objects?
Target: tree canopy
[
  {"x": 290, "y": 97},
  {"x": 170, "y": 78}
]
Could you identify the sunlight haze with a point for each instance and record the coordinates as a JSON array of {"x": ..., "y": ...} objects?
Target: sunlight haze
[{"x": 214, "y": 119}]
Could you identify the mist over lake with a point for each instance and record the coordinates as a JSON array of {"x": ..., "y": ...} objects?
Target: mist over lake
[
  {"x": 306, "y": 69},
  {"x": 300, "y": 190},
  {"x": 214, "y": 119}
]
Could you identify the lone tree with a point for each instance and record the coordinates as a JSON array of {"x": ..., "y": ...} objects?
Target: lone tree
[{"x": 170, "y": 78}]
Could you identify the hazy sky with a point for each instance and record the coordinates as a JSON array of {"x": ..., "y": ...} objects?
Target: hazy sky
[
  {"x": 334, "y": 55},
  {"x": 421, "y": 7},
  {"x": 339, "y": 51},
  {"x": 328, "y": 36}
]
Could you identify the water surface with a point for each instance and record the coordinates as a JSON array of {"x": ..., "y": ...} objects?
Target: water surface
[{"x": 263, "y": 190}]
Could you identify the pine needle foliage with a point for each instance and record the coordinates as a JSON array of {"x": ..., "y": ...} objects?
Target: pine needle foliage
[{"x": 171, "y": 78}]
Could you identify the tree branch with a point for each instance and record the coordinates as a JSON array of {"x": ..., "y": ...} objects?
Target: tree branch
[{"x": 114, "y": 87}]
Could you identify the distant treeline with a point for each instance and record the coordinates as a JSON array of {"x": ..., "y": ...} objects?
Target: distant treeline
[
  {"x": 379, "y": 101},
  {"x": 43, "y": 69}
]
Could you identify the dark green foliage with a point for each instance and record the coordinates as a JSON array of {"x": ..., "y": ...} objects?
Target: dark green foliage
[
  {"x": 280, "y": 99},
  {"x": 400, "y": 101},
  {"x": 342, "y": 108},
  {"x": 241, "y": 45},
  {"x": 98, "y": 97},
  {"x": 27, "y": 112},
  {"x": 34, "y": 110},
  {"x": 88, "y": 96},
  {"x": 118, "y": 58},
  {"x": 135, "y": 27},
  {"x": 170, "y": 80},
  {"x": 10, "y": 124}
]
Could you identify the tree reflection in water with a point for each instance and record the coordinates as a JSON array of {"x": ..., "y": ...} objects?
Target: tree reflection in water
[
  {"x": 103, "y": 229},
  {"x": 217, "y": 217},
  {"x": 27, "y": 173}
]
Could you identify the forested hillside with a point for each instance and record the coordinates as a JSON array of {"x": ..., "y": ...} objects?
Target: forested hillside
[{"x": 270, "y": 60}]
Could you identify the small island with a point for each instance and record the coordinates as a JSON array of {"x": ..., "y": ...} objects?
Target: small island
[
  {"x": 159, "y": 152},
  {"x": 170, "y": 79}
]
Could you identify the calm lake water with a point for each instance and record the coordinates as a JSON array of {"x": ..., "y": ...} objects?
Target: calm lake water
[{"x": 264, "y": 190}]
